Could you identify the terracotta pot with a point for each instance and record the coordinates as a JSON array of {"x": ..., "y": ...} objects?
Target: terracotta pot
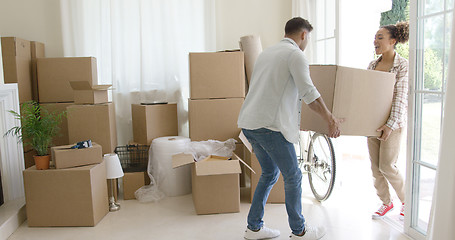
[{"x": 42, "y": 162}]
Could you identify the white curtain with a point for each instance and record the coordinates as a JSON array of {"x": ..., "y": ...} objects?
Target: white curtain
[
  {"x": 306, "y": 10},
  {"x": 442, "y": 219},
  {"x": 141, "y": 47}
]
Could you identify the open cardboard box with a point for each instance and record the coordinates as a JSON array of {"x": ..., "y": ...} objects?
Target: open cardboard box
[
  {"x": 215, "y": 182},
  {"x": 65, "y": 157},
  {"x": 86, "y": 93}
]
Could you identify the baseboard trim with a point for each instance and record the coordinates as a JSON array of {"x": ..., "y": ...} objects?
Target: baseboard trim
[{"x": 12, "y": 215}]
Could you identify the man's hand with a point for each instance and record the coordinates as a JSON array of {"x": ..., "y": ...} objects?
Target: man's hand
[
  {"x": 334, "y": 127},
  {"x": 320, "y": 108},
  {"x": 386, "y": 131}
]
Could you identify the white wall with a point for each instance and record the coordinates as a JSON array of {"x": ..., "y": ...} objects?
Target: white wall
[
  {"x": 40, "y": 20},
  {"x": 35, "y": 20},
  {"x": 237, "y": 18}
]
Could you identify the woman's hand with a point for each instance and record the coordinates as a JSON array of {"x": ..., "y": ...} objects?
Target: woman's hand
[{"x": 386, "y": 131}]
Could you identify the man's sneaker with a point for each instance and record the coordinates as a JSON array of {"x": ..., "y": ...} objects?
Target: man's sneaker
[
  {"x": 402, "y": 212},
  {"x": 383, "y": 210},
  {"x": 311, "y": 233},
  {"x": 263, "y": 233}
]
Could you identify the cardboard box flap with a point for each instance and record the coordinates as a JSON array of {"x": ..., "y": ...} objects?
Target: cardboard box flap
[
  {"x": 217, "y": 167},
  {"x": 181, "y": 159},
  {"x": 84, "y": 85}
]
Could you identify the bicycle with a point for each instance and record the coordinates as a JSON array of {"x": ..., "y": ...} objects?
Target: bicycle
[{"x": 319, "y": 163}]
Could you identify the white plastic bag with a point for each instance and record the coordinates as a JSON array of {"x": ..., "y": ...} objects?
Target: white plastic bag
[
  {"x": 149, "y": 193},
  {"x": 203, "y": 149}
]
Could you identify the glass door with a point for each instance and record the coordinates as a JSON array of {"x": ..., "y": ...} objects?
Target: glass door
[{"x": 430, "y": 34}]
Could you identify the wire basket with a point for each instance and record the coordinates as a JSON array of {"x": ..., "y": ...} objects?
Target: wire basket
[{"x": 134, "y": 158}]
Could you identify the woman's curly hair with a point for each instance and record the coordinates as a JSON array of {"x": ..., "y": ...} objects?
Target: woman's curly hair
[{"x": 399, "y": 31}]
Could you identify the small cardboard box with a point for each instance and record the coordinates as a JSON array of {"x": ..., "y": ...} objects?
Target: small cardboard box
[
  {"x": 217, "y": 75},
  {"x": 214, "y": 119},
  {"x": 94, "y": 122},
  {"x": 132, "y": 181},
  {"x": 55, "y": 75},
  {"x": 66, "y": 197},
  {"x": 65, "y": 157},
  {"x": 86, "y": 93},
  {"x": 37, "y": 49},
  {"x": 215, "y": 183},
  {"x": 153, "y": 121},
  {"x": 362, "y": 97},
  {"x": 57, "y": 108},
  {"x": 17, "y": 65}
]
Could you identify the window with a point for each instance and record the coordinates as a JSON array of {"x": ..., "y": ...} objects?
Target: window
[
  {"x": 432, "y": 19},
  {"x": 325, "y": 32}
]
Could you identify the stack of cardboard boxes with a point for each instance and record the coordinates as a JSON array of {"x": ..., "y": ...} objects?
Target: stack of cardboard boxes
[
  {"x": 72, "y": 84},
  {"x": 150, "y": 121},
  {"x": 19, "y": 66},
  {"x": 217, "y": 92},
  {"x": 75, "y": 192},
  {"x": 72, "y": 194}
]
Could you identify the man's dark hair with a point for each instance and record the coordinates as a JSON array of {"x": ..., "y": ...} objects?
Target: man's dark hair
[{"x": 297, "y": 24}]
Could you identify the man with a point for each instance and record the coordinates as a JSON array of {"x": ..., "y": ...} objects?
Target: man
[{"x": 270, "y": 119}]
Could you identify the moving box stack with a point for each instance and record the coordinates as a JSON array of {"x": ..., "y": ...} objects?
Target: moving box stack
[
  {"x": 150, "y": 121},
  {"x": 19, "y": 65},
  {"x": 217, "y": 92},
  {"x": 74, "y": 192}
]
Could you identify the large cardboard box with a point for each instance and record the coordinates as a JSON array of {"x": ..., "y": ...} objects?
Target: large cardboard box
[
  {"x": 362, "y": 97},
  {"x": 215, "y": 183},
  {"x": 217, "y": 75},
  {"x": 55, "y": 75},
  {"x": 214, "y": 119},
  {"x": 66, "y": 197},
  {"x": 37, "y": 49},
  {"x": 277, "y": 193},
  {"x": 57, "y": 108},
  {"x": 17, "y": 65},
  {"x": 94, "y": 122},
  {"x": 86, "y": 93},
  {"x": 132, "y": 181},
  {"x": 65, "y": 157},
  {"x": 153, "y": 121}
]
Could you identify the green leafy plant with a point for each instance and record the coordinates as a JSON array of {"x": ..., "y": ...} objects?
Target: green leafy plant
[{"x": 38, "y": 126}]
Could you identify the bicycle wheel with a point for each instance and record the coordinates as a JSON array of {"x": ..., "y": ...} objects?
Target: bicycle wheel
[{"x": 322, "y": 168}]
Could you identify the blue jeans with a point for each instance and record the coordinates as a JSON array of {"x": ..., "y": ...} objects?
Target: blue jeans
[{"x": 275, "y": 154}]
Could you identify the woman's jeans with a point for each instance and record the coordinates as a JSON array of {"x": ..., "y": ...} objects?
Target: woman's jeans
[{"x": 275, "y": 154}]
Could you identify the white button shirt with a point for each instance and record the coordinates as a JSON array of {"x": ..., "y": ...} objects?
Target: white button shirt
[{"x": 280, "y": 80}]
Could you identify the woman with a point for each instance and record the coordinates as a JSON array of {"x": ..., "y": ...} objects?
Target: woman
[{"x": 384, "y": 150}]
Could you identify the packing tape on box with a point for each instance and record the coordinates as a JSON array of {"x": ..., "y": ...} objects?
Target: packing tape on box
[
  {"x": 252, "y": 47},
  {"x": 172, "y": 181}
]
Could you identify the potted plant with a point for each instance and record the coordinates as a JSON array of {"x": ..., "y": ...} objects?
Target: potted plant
[{"x": 38, "y": 127}]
